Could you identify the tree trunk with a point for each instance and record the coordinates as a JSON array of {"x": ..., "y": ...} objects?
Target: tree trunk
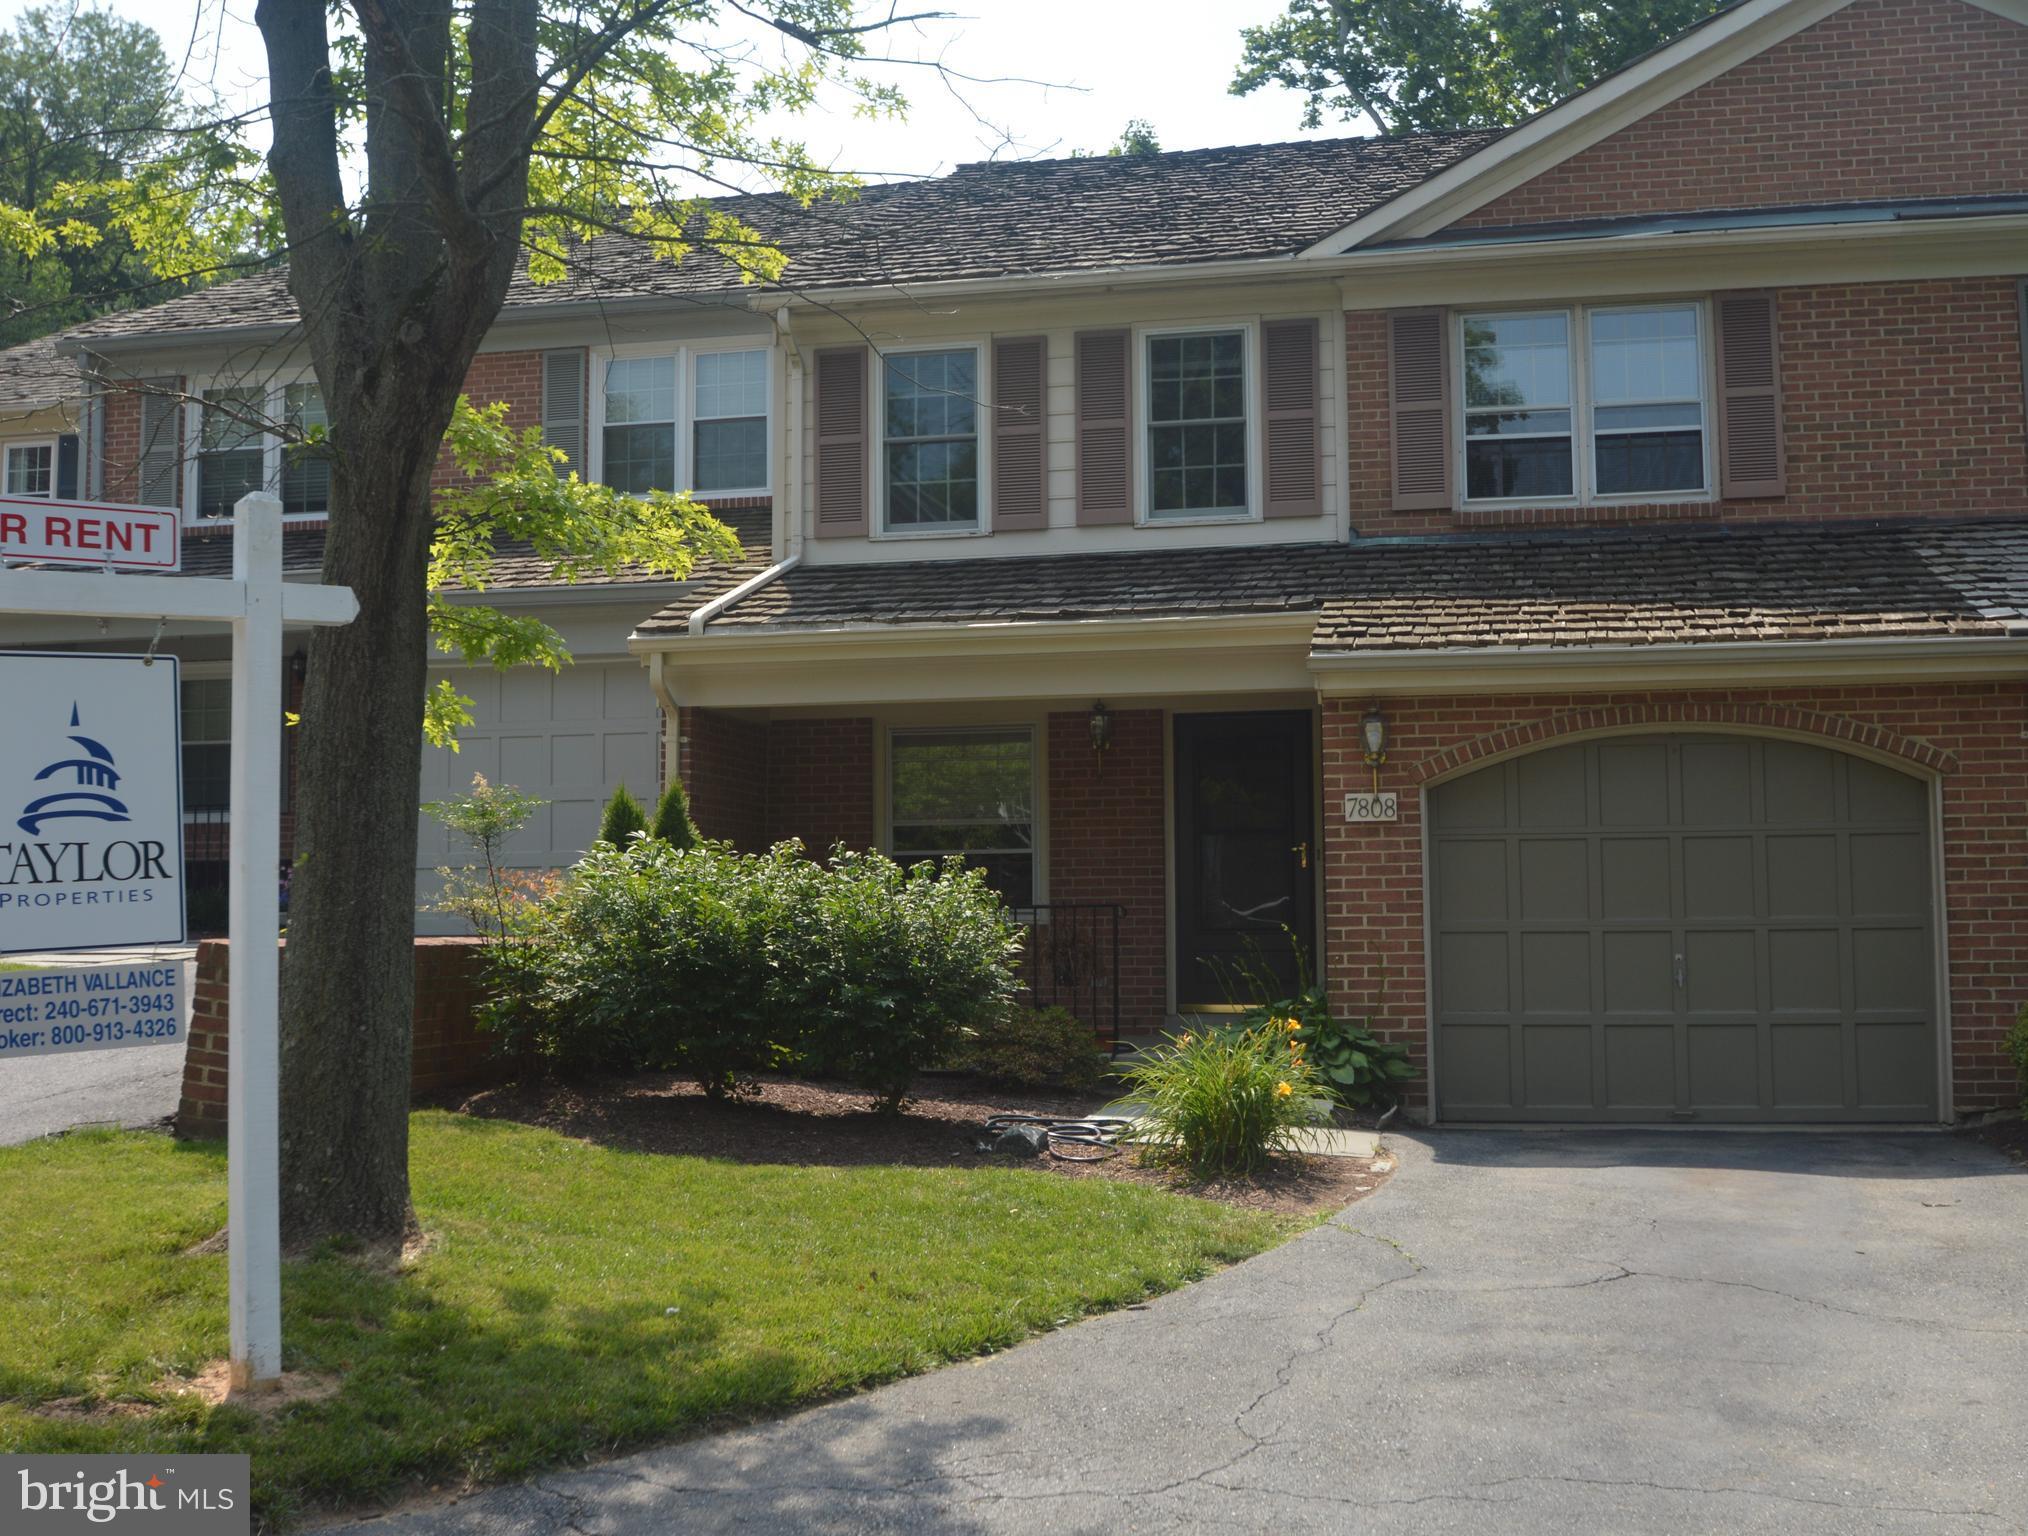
[{"x": 348, "y": 985}]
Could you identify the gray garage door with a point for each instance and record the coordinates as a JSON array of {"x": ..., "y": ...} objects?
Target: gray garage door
[{"x": 1684, "y": 929}]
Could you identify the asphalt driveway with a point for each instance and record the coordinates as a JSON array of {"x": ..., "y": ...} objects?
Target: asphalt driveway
[{"x": 1598, "y": 1332}]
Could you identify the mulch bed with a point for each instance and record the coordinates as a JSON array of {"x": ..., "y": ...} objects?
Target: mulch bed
[
  {"x": 833, "y": 1125},
  {"x": 2009, "y": 1136}
]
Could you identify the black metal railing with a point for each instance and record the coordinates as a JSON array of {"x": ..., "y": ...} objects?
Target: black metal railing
[
  {"x": 1073, "y": 962},
  {"x": 207, "y": 869}
]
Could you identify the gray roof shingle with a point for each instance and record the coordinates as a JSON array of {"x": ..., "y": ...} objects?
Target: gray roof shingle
[
  {"x": 33, "y": 376},
  {"x": 992, "y": 219},
  {"x": 1645, "y": 586}
]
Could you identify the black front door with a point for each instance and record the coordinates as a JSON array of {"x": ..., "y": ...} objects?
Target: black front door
[{"x": 1245, "y": 834}]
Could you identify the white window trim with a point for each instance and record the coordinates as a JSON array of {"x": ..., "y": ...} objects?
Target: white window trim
[
  {"x": 17, "y": 445},
  {"x": 685, "y": 355},
  {"x": 275, "y": 405},
  {"x": 1038, "y": 834},
  {"x": 1585, "y": 468},
  {"x": 1144, "y": 482},
  {"x": 982, "y": 428}
]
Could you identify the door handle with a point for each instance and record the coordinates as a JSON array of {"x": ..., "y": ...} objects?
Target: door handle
[
  {"x": 1302, "y": 853},
  {"x": 1682, "y": 974}
]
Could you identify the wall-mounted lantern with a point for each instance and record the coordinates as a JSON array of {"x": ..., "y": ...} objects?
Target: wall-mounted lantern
[{"x": 1373, "y": 732}]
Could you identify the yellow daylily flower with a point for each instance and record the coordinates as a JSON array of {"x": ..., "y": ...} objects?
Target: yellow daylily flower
[{"x": 1283, "y": 1090}]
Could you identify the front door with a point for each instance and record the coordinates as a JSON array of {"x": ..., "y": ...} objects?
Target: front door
[{"x": 1245, "y": 854}]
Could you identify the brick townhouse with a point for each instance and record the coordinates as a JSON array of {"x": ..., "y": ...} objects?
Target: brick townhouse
[{"x": 1566, "y": 589}]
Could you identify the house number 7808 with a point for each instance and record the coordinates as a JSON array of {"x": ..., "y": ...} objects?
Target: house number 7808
[{"x": 1374, "y": 807}]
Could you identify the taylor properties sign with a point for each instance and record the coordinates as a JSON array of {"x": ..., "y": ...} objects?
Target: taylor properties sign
[{"x": 91, "y": 801}]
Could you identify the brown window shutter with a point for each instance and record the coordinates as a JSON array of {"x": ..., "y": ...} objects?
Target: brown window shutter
[
  {"x": 1295, "y": 453},
  {"x": 563, "y": 396},
  {"x": 1751, "y": 457},
  {"x": 1105, "y": 429},
  {"x": 842, "y": 478},
  {"x": 155, "y": 474},
  {"x": 1419, "y": 402},
  {"x": 1020, "y": 433}
]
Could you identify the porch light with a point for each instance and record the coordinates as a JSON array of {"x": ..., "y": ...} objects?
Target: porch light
[
  {"x": 1373, "y": 731},
  {"x": 1100, "y": 723}
]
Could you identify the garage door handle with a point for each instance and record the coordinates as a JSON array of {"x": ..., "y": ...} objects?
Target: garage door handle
[{"x": 1682, "y": 973}]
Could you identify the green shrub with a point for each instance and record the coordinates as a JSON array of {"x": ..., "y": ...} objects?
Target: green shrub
[
  {"x": 1036, "y": 1048},
  {"x": 1356, "y": 1067},
  {"x": 2017, "y": 1047},
  {"x": 889, "y": 966},
  {"x": 672, "y": 824},
  {"x": 657, "y": 957},
  {"x": 623, "y": 818},
  {"x": 1225, "y": 1101}
]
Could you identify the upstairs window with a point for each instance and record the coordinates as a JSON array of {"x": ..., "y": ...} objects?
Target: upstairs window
[
  {"x": 1197, "y": 428},
  {"x": 31, "y": 469},
  {"x": 640, "y": 433},
  {"x": 306, "y": 471},
  {"x": 968, "y": 792},
  {"x": 231, "y": 449},
  {"x": 729, "y": 435},
  {"x": 1602, "y": 403},
  {"x": 931, "y": 441}
]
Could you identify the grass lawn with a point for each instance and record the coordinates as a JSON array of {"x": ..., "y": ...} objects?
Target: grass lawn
[{"x": 536, "y": 1328}]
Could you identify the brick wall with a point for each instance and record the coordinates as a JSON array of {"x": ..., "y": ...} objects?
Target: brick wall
[
  {"x": 121, "y": 408},
  {"x": 1884, "y": 99},
  {"x": 1373, "y": 882},
  {"x": 1898, "y": 400},
  {"x": 820, "y": 783},
  {"x": 1107, "y": 843},
  {"x": 723, "y": 761},
  {"x": 515, "y": 377},
  {"x": 449, "y": 1051}
]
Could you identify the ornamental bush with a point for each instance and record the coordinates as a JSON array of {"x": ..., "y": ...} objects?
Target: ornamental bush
[
  {"x": 1225, "y": 1101},
  {"x": 720, "y": 965},
  {"x": 1035, "y": 1048},
  {"x": 623, "y": 817},
  {"x": 890, "y": 966}
]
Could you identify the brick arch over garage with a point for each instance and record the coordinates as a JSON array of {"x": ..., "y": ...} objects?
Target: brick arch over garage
[{"x": 1833, "y": 730}]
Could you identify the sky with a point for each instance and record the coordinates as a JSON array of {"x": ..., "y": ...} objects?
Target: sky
[{"x": 1169, "y": 63}]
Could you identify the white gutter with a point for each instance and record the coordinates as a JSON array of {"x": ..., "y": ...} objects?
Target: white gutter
[{"x": 706, "y": 612}]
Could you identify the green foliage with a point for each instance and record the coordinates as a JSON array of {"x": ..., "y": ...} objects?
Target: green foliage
[
  {"x": 721, "y": 964},
  {"x": 650, "y": 956},
  {"x": 623, "y": 820},
  {"x": 1415, "y": 65},
  {"x": 1137, "y": 138},
  {"x": 1225, "y": 1101},
  {"x": 1355, "y": 1066},
  {"x": 489, "y": 895},
  {"x": 512, "y": 493},
  {"x": 1036, "y": 1048},
  {"x": 2017, "y": 1047},
  {"x": 672, "y": 824},
  {"x": 108, "y": 183},
  {"x": 575, "y": 1300},
  {"x": 892, "y": 965}
]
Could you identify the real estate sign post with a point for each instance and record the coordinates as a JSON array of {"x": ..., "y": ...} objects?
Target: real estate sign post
[{"x": 89, "y": 783}]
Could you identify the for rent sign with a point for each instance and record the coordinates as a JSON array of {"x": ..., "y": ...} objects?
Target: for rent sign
[
  {"x": 91, "y": 802},
  {"x": 89, "y": 533}
]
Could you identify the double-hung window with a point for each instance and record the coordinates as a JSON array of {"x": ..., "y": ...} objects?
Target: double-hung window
[
  {"x": 1197, "y": 426},
  {"x": 306, "y": 469},
  {"x": 231, "y": 449},
  {"x": 31, "y": 469},
  {"x": 207, "y": 746},
  {"x": 686, "y": 419},
  {"x": 1606, "y": 402},
  {"x": 930, "y": 429},
  {"x": 968, "y": 792},
  {"x": 729, "y": 426}
]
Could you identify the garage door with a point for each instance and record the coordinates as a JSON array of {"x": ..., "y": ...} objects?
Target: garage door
[
  {"x": 1683, "y": 929},
  {"x": 567, "y": 738}
]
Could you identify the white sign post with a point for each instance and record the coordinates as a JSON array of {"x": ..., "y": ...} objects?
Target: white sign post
[{"x": 255, "y": 602}]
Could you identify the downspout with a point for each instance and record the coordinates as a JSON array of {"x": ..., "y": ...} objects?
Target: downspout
[{"x": 788, "y": 519}]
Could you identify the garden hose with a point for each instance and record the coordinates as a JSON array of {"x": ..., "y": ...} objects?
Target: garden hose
[{"x": 1096, "y": 1137}]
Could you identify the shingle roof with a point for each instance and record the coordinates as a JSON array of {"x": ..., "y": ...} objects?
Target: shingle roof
[
  {"x": 1642, "y": 586},
  {"x": 208, "y": 552},
  {"x": 992, "y": 219},
  {"x": 33, "y": 376}
]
